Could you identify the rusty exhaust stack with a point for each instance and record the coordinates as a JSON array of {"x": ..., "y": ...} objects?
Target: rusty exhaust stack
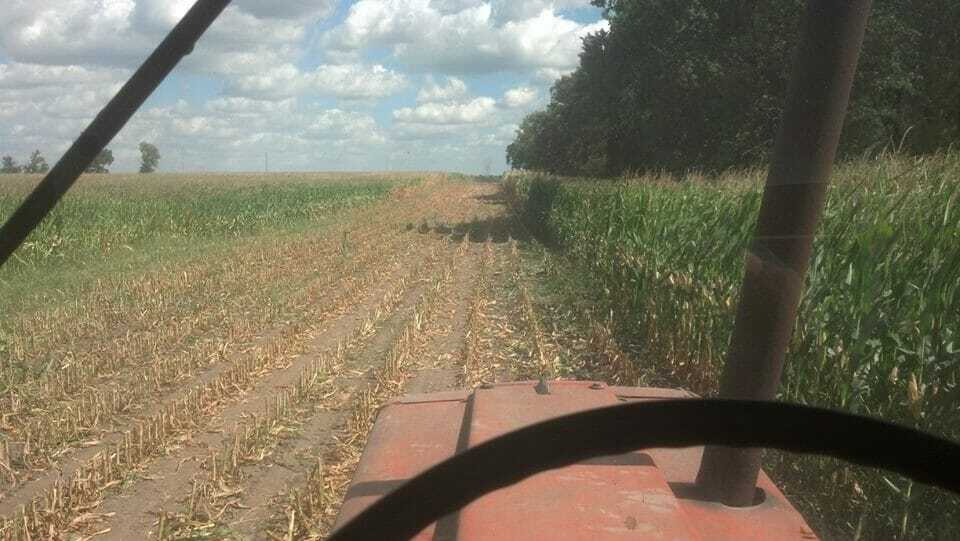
[{"x": 793, "y": 200}]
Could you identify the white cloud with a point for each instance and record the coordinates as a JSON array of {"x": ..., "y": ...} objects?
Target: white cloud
[
  {"x": 238, "y": 131},
  {"x": 38, "y": 113},
  {"x": 22, "y": 76},
  {"x": 507, "y": 132},
  {"x": 227, "y": 132},
  {"x": 288, "y": 9},
  {"x": 548, "y": 76},
  {"x": 465, "y": 37},
  {"x": 519, "y": 97},
  {"x": 121, "y": 33},
  {"x": 474, "y": 111},
  {"x": 346, "y": 81},
  {"x": 355, "y": 81},
  {"x": 258, "y": 82},
  {"x": 275, "y": 83},
  {"x": 336, "y": 124},
  {"x": 455, "y": 89},
  {"x": 236, "y": 105},
  {"x": 70, "y": 32},
  {"x": 512, "y": 10}
]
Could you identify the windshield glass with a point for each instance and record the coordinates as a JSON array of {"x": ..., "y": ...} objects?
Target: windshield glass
[{"x": 331, "y": 204}]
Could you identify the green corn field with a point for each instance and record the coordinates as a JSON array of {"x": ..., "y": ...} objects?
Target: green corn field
[
  {"x": 117, "y": 221},
  {"x": 879, "y": 324},
  {"x": 109, "y": 213}
]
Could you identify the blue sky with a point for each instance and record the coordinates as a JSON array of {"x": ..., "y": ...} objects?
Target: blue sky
[{"x": 316, "y": 84}]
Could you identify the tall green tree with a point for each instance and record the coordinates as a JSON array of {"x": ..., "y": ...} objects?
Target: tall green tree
[
  {"x": 37, "y": 164},
  {"x": 10, "y": 166},
  {"x": 576, "y": 132},
  {"x": 102, "y": 163},
  {"x": 680, "y": 84},
  {"x": 149, "y": 158}
]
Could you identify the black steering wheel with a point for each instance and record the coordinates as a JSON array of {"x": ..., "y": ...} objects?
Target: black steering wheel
[{"x": 454, "y": 483}]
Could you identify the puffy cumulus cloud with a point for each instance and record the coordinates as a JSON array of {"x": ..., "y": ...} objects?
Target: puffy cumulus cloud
[
  {"x": 62, "y": 60},
  {"x": 121, "y": 33},
  {"x": 18, "y": 75},
  {"x": 37, "y": 112},
  {"x": 546, "y": 41},
  {"x": 401, "y": 132},
  {"x": 465, "y": 37},
  {"x": 475, "y": 111},
  {"x": 512, "y": 10},
  {"x": 227, "y": 132},
  {"x": 70, "y": 32},
  {"x": 519, "y": 97},
  {"x": 247, "y": 107},
  {"x": 477, "y": 126},
  {"x": 547, "y": 76},
  {"x": 454, "y": 89},
  {"x": 288, "y": 9},
  {"x": 233, "y": 133},
  {"x": 355, "y": 81},
  {"x": 153, "y": 16},
  {"x": 275, "y": 83},
  {"x": 344, "y": 126},
  {"x": 346, "y": 81},
  {"x": 506, "y": 133}
]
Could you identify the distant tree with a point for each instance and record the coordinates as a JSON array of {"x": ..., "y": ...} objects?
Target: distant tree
[
  {"x": 149, "y": 158},
  {"x": 37, "y": 164},
  {"x": 10, "y": 166},
  {"x": 102, "y": 162}
]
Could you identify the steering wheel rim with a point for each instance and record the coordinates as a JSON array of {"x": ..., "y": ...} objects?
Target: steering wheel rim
[{"x": 454, "y": 483}]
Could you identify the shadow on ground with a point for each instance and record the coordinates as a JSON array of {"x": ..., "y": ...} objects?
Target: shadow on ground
[{"x": 498, "y": 224}]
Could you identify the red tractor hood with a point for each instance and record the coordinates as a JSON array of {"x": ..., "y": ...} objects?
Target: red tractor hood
[{"x": 647, "y": 494}]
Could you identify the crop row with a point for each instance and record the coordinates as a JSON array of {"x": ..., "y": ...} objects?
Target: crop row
[
  {"x": 310, "y": 505},
  {"x": 103, "y": 221},
  {"x": 878, "y": 325},
  {"x": 477, "y": 369},
  {"x": 539, "y": 365},
  {"x": 49, "y": 509},
  {"x": 64, "y": 409}
]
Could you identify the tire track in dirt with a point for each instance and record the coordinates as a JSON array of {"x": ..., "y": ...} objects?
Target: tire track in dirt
[
  {"x": 475, "y": 368},
  {"x": 542, "y": 359}
]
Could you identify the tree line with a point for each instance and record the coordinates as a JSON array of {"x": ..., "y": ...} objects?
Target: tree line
[
  {"x": 37, "y": 164},
  {"x": 675, "y": 85}
]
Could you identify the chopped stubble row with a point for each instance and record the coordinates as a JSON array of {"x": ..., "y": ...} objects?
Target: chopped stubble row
[{"x": 112, "y": 463}]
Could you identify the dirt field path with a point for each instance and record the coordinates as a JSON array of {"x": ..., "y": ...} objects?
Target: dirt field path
[{"x": 255, "y": 418}]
